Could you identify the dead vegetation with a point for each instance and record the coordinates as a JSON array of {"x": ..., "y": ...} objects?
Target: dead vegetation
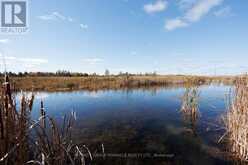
[
  {"x": 110, "y": 82},
  {"x": 24, "y": 141},
  {"x": 236, "y": 120},
  {"x": 189, "y": 107}
]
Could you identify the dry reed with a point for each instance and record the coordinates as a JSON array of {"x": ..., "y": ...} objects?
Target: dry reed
[
  {"x": 236, "y": 121},
  {"x": 104, "y": 82},
  {"x": 24, "y": 141},
  {"x": 189, "y": 107}
]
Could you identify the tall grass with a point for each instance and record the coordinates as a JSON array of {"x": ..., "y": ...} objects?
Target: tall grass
[
  {"x": 13, "y": 124},
  {"x": 189, "y": 106},
  {"x": 236, "y": 120},
  {"x": 24, "y": 141},
  {"x": 103, "y": 82}
]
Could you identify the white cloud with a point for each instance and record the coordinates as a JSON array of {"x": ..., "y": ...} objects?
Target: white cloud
[
  {"x": 175, "y": 23},
  {"x": 28, "y": 63},
  {"x": 8, "y": 58},
  {"x": 223, "y": 12},
  {"x": 84, "y": 26},
  {"x": 193, "y": 14},
  {"x": 55, "y": 16},
  {"x": 36, "y": 61},
  {"x": 200, "y": 9},
  {"x": 59, "y": 16},
  {"x": 46, "y": 17},
  {"x": 158, "y": 6},
  {"x": 70, "y": 19},
  {"x": 204, "y": 66},
  {"x": 4, "y": 41},
  {"x": 92, "y": 61},
  {"x": 186, "y": 4}
]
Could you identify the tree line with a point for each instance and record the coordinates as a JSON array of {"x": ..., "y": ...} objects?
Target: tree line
[
  {"x": 60, "y": 73},
  {"x": 64, "y": 73}
]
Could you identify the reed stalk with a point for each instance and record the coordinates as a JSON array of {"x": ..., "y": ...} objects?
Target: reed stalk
[
  {"x": 189, "y": 107},
  {"x": 236, "y": 120},
  {"x": 24, "y": 141}
]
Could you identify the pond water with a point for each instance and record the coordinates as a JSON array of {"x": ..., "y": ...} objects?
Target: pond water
[{"x": 143, "y": 126}]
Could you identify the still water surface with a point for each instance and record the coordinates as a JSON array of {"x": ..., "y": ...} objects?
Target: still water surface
[{"x": 143, "y": 122}]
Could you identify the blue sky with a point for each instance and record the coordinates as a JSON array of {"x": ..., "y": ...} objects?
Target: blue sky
[{"x": 166, "y": 36}]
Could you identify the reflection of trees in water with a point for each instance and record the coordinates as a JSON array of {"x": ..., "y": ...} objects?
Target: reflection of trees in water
[
  {"x": 154, "y": 92},
  {"x": 130, "y": 91},
  {"x": 152, "y": 89},
  {"x": 190, "y": 108}
]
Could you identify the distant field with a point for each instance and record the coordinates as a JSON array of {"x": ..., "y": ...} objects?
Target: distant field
[{"x": 110, "y": 82}]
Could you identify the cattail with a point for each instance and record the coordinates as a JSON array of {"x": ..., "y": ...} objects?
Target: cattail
[
  {"x": 237, "y": 119},
  {"x": 43, "y": 114},
  {"x": 31, "y": 102},
  {"x": 7, "y": 97},
  {"x": 7, "y": 87},
  {"x": 18, "y": 131},
  {"x": 1, "y": 123},
  {"x": 189, "y": 106},
  {"x": 103, "y": 151}
]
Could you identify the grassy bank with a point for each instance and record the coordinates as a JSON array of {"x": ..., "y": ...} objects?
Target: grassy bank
[{"x": 110, "y": 82}]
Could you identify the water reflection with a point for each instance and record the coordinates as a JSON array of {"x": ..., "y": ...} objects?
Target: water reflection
[{"x": 144, "y": 120}]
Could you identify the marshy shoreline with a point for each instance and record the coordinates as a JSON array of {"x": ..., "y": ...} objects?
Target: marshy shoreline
[
  {"x": 56, "y": 142},
  {"x": 91, "y": 83}
]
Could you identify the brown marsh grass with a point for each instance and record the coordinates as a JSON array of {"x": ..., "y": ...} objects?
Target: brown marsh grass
[
  {"x": 189, "y": 107},
  {"x": 24, "y": 141},
  {"x": 109, "y": 82},
  {"x": 13, "y": 125},
  {"x": 236, "y": 120}
]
